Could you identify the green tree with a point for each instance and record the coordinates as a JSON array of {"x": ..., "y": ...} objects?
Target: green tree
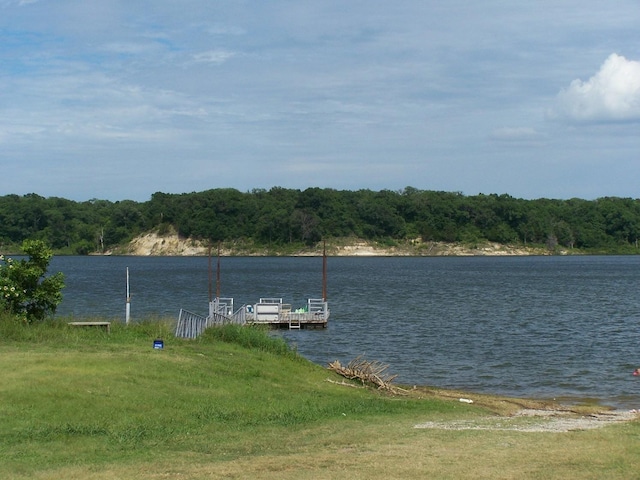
[{"x": 27, "y": 291}]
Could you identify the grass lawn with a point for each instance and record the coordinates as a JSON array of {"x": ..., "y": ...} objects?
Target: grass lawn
[{"x": 78, "y": 403}]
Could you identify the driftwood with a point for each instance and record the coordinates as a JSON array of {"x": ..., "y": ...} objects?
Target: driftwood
[{"x": 369, "y": 373}]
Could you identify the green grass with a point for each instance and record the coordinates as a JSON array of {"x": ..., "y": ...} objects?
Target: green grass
[
  {"x": 237, "y": 403},
  {"x": 83, "y": 393}
]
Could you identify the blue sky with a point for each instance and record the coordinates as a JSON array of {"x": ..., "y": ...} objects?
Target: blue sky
[{"x": 117, "y": 99}]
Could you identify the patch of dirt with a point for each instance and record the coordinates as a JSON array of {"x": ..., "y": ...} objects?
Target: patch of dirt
[
  {"x": 524, "y": 415},
  {"x": 515, "y": 414},
  {"x": 531, "y": 420},
  {"x": 171, "y": 244}
]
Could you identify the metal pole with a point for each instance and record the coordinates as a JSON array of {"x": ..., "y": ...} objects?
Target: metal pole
[
  {"x": 210, "y": 275},
  {"x": 218, "y": 274},
  {"x": 324, "y": 272},
  {"x": 127, "y": 310}
]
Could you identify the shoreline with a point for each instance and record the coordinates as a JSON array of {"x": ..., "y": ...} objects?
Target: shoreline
[{"x": 171, "y": 244}]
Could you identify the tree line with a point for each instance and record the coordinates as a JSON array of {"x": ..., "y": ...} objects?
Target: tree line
[{"x": 281, "y": 217}]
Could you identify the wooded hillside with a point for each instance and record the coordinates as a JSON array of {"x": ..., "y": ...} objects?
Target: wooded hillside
[{"x": 281, "y": 217}]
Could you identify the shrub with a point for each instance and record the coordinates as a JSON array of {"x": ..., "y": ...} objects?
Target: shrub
[{"x": 25, "y": 289}]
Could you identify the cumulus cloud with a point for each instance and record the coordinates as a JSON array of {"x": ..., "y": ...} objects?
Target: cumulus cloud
[{"x": 612, "y": 94}]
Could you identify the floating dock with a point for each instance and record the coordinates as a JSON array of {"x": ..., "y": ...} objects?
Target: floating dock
[
  {"x": 272, "y": 311},
  {"x": 267, "y": 311}
]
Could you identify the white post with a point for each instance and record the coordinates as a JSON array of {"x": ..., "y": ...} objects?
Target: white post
[{"x": 128, "y": 303}]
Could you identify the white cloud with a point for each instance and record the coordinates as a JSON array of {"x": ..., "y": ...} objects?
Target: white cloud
[
  {"x": 514, "y": 134},
  {"x": 213, "y": 56},
  {"x": 612, "y": 94}
]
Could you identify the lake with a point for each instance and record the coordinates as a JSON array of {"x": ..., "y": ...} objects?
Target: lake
[{"x": 541, "y": 327}]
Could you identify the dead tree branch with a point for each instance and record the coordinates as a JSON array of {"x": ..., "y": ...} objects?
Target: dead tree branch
[{"x": 369, "y": 373}]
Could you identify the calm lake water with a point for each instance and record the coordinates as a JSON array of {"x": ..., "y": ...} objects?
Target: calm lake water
[{"x": 542, "y": 327}]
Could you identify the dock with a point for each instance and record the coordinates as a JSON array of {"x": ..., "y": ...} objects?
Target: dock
[{"x": 272, "y": 312}]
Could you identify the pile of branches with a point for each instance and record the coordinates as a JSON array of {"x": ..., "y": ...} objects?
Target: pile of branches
[{"x": 369, "y": 373}]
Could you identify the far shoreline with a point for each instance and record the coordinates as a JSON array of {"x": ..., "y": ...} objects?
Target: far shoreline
[
  {"x": 171, "y": 244},
  {"x": 152, "y": 244}
]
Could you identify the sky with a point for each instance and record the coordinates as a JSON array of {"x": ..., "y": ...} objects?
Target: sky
[{"x": 119, "y": 99}]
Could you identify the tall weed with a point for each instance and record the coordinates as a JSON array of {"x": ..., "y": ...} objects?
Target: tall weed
[
  {"x": 58, "y": 331},
  {"x": 253, "y": 337},
  {"x": 13, "y": 328}
]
